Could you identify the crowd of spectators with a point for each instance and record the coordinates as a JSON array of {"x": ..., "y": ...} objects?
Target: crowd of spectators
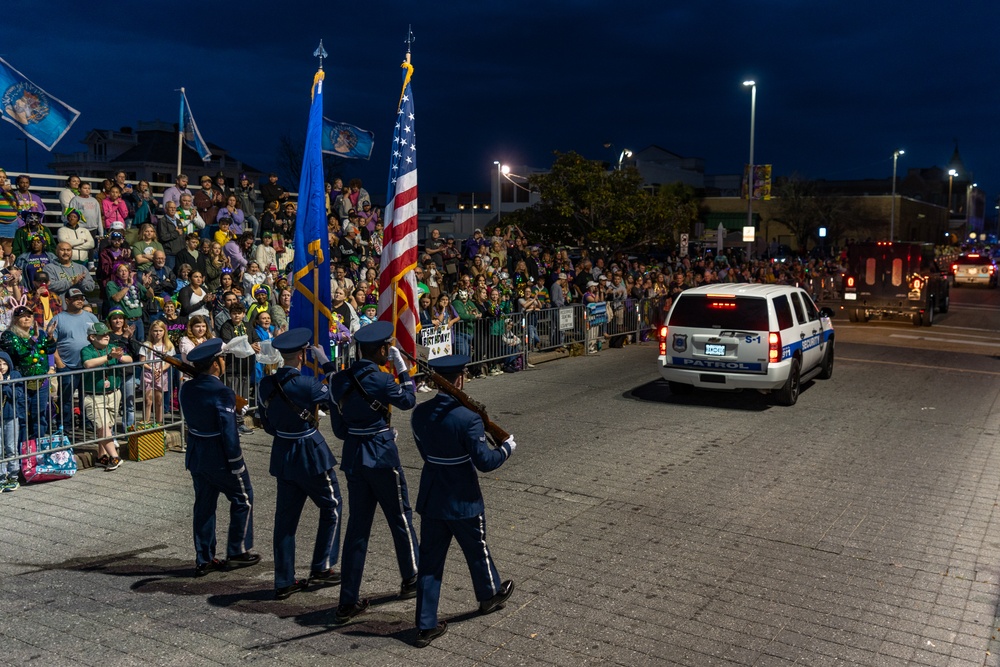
[{"x": 198, "y": 263}]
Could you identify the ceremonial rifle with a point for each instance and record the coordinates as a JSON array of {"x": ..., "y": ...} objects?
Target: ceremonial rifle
[
  {"x": 190, "y": 371},
  {"x": 496, "y": 432}
]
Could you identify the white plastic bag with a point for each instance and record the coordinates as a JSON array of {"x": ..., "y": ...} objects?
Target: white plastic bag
[
  {"x": 239, "y": 347},
  {"x": 267, "y": 354}
]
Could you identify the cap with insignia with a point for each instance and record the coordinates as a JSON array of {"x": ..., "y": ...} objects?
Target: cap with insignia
[
  {"x": 374, "y": 333},
  {"x": 451, "y": 364},
  {"x": 292, "y": 340},
  {"x": 203, "y": 353}
]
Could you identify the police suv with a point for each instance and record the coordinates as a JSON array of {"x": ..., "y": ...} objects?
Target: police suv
[{"x": 746, "y": 336}]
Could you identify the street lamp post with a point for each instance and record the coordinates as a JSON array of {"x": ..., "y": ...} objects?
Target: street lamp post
[
  {"x": 497, "y": 163},
  {"x": 624, "y": 154},
  {"x": 892, "y": 214},
  {"x": 951, "y": 178},
  {"x": 753, "y": 120}
]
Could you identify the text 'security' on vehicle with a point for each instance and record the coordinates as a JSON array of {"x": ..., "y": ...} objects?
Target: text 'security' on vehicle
[
  {"x": 894, "y": 280},
  {"x": 741, "y": 336}
]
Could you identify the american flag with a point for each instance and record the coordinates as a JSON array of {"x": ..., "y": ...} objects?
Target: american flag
[{"x": 397, "y": 286}]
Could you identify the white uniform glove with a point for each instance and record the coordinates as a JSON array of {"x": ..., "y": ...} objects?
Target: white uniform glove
[
  {"x": 396, "y": 357},
  {"x": 319, "y": 354},
  {"x": 510, "y": 441}
]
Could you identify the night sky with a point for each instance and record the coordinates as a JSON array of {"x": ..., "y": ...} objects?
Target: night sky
[{"x": 840, "y": 85}]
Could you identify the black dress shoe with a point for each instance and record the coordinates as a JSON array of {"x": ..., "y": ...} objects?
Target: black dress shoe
[
  {"x": 329, "y": 577},
  {"x": 288, "y": 591},
  {"x": 346, "y": 612},
  {"x": 496, "y": 602},
  {"x": 214, "y": 565},
  {"x": 425, "y": 637},
  {"x": 245, "y": 559},
  {"x": 408, "y": 589}
]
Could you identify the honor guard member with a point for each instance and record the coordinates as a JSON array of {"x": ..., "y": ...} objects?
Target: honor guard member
[
  {"x": 452, "y": 442},
  {"x": 215, "y": 459},
  {"x": 361, "y": 396},
  {"x": 301, "y": 462}
]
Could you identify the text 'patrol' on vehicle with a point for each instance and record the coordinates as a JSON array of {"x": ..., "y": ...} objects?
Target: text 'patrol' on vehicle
[{"x": 743, "y": 336}]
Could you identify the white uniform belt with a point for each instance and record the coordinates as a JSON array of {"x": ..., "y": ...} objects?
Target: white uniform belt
[
  {"x": 448, "y": 462},
  {"x": 367, "y": 431},
  {"x": 294, "y": 436},
  {"x": 203, "y": 435}
]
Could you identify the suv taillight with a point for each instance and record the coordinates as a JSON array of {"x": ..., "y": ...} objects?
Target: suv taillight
[
  {"x": 954, "y": 268},
  {"x": 663, "y": 341},
  {"x": 773, "y": 347}
]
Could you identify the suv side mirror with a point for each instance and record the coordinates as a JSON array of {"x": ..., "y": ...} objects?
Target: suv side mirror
[{"x": 826, "y": 312}]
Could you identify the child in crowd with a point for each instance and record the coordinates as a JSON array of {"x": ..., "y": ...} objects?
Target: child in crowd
[
  {"x": 12, "y": 408},
  {"x": 156, "y": 373}
]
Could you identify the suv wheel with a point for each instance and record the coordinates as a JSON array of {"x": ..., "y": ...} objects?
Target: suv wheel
[
  {"x": 680, "y": 389},
  {"x": 945, "y": 303},
  {"x": 826, "y": 366},
  {"x": 789, "y": 393}
]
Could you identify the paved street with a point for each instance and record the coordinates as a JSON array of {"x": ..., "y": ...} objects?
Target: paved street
[{"x": 860, "y": 526}]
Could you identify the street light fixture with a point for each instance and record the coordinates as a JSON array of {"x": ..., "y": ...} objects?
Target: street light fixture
[
  {"x": 624, "y": 154},
  {"x": 892, "y": 215},
  {"x": 951, "y": 177},
  {"x": 502, "y": 170},
  {"x": 753, "y": 120}
]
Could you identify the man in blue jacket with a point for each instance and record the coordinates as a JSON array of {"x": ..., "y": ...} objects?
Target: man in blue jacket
[
  {"x": 452, "y": 442},
  {"x": 215, "y": 459},
  {"x": 301, "y": 463},
  {"x": 361, "y": 396},
  {"x": 12, "y": 405}
]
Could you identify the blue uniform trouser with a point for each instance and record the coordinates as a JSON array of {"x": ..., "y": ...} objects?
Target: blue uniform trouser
[
  {"x": 239, "y": 492},
  {"x": 367, "y": 489},
  {"x": 435, "y": 538},
  {"x": 292, "y": 493}
]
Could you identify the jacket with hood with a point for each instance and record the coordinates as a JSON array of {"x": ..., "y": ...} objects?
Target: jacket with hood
[{"x": 11, "y": 394}]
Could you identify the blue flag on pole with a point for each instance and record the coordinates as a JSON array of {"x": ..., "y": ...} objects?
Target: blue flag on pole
[
  {"x": 347, "y": 140},
  {"x": 192, "y": 137},
  {"x": 311, "y": 267},
  {"x": 36, "y": 113}
]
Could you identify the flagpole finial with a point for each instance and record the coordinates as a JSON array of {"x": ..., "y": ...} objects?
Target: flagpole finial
[
  {"x": 409, "y": 41},
  {"x": 320, "y": 53}
]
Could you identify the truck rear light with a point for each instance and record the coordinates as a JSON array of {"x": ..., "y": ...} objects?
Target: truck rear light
[
  {"x": 663, "y": 341},
  {"x": 773, "y": 347},
  {"x": 917, "y": 283},
  {"x": 850, "y": 281}
]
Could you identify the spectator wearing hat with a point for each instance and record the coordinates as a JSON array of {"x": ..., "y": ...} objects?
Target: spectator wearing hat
[
  {"x": 361, "y": 395},
  {"x": 301, "y": 463},
  {"x": 43, "y": 302},
  {"x": 102, "y": 391},
  {"x": 35, "y": 259},
  {"x": 113, "y": 253},
  {"x": 271, "y": 191},
  {"x": 473, "y": 244},
  {"x": 208, "y": 200},
  {"x": 80, "y": 240},
  {"x": 261, "y": 303},
  {"x": 246, "y": 197},
  {"x": 368, "y": 215},
  {"x": 29, "y": 347},
  {"x": 69, "y": 329},
  {"x": 214, "y": 458},
  {"x": 452, "y": 442},
  {"x": 32, "y": 227}
]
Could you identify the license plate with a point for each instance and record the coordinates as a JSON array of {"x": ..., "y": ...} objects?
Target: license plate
[
  {"x": 850, "y": 296},
  {"x": 715, "y": 350},
  {"x": 973, "y": 272}
]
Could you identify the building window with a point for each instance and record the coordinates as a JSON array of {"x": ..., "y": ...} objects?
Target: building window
[{"x": 100, "y": 150}]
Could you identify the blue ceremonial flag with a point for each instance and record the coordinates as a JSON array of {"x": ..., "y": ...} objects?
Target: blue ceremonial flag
[
  {"x": 192, "y": 137},
  {"x": 347, "y": 140},
  {"x": 311, "y": 267},
  {"x": 36, "y": 113}
]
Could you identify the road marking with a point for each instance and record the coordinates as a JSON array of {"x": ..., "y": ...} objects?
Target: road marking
[
  {"x": 933, "y": 368},
  {"x": 944, "y": 340}
]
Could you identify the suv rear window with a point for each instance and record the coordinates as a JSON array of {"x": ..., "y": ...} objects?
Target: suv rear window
[
  {"x": 720, "y": 312},
  {"x": 977, "y": 260}
]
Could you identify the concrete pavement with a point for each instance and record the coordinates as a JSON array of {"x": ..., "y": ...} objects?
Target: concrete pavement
[{"x": 860, "y": 526}]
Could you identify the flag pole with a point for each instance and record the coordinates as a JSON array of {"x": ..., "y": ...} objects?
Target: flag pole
[{"x": 180, "y": 134}]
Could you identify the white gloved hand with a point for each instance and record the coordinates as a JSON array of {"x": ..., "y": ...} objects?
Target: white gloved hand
[
  {"x": 396, "y": 357},
  {"x": 319, "y": 354},
  {"x": 510, "y": 441}
]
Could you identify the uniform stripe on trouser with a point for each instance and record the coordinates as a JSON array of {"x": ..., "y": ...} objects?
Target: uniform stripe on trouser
[
  {"x": 402, "y": 514},
  {"x": 486, "y": 551},
  {"x": 246, "y": 525},
  {"x": 336, "y": 522}
]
